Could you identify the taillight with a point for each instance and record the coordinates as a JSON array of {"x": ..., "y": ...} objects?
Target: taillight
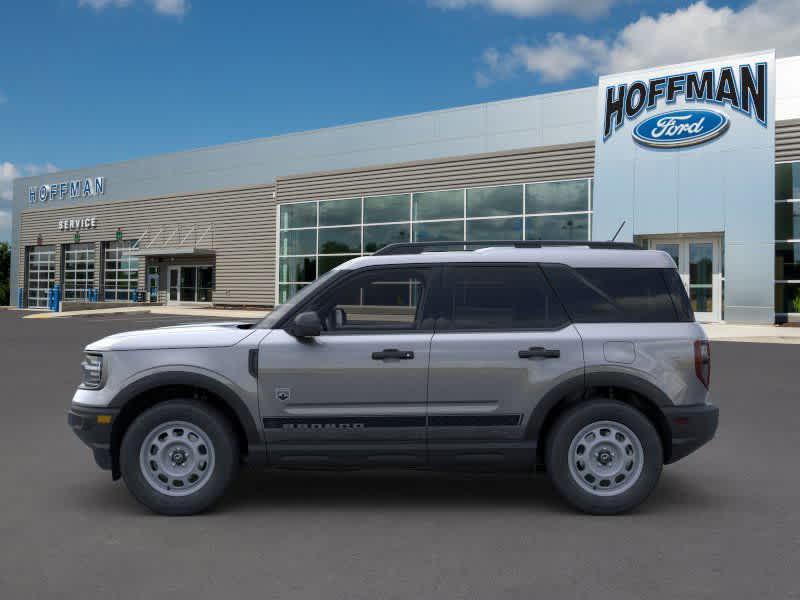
[{"x": 702, "y": 361}]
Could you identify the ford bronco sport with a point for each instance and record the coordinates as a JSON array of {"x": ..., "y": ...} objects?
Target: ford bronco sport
[{"x": 582, "y": 360}]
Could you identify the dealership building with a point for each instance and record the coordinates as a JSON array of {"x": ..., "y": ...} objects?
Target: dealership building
[{"x": 701, "y": 160}]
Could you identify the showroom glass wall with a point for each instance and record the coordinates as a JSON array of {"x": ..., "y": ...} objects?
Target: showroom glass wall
[
  {"x": 314, "y": 237},
  {"x": 787, "y": 238}
]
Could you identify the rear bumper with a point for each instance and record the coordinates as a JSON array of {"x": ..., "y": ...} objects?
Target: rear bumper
[
  {"x": 94, "y": 432},
  {"x": 691, "y": 426}
]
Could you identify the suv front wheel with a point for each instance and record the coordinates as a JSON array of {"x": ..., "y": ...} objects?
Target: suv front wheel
[
  {"x": 604, "y": 457},
  {"x": 178, "y": 457}
]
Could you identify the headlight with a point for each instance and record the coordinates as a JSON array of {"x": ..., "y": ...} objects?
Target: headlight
[{"x": 92, "y": 367}]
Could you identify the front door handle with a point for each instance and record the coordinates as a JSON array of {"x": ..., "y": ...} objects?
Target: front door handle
[
  {"x": 393, "y": 353},
  {"x": 539, "y": 352}
]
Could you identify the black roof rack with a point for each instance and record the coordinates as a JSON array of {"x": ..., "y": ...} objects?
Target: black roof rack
[{"x": 420, "y": 247}]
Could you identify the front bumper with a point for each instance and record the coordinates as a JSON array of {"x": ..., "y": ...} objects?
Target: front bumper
[
  {"x": 93, "y": 427},
  {"x": 691, "y": 426}
]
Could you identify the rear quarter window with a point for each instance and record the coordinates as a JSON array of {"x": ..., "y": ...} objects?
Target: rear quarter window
[{"x": 605, "y": 295}]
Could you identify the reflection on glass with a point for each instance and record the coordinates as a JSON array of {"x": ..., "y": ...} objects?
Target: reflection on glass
[
  {"x": 301, "y": 268},
  {"x": 557, "y": 227},
  {"x": 787, "y": 220},
  {"x": 340, "y": 240},
  {"x": 494, "y": 229},
  {"x": 300, "y": 242},
  {"x": 787, "y": 261},
  {"x": 340, "y": 212},
  {"x": 787, "y": 181},
  {"x": 326, "y": 263},
  {"x": 557, "y": 196},
  {"x": 387, "y": 209},
  {"x": 303, "y": 214},
  {"x": 378, "y": 236},
  {"x": 700, "y": 262},
  {"x": 449, "y": 231},
  {"x": 701, "y": 298},
  {"x": 494, "y": 201},
  {"x": 439, "y": 205}
]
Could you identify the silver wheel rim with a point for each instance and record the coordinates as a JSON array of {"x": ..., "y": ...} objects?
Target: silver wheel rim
[
  {"x": 605, "y": 458},
  {"x": 177, "y": 458}
]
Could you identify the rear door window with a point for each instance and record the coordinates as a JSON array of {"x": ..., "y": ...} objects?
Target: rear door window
[{"x": 499, "y": 298}]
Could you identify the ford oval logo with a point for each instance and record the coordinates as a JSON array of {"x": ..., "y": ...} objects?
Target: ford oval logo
[{"x": 681, "y": 128}]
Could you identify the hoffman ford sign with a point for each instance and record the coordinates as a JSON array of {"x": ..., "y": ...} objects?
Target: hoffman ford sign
[
  {"x": 741, "y": 88},
  {"x": 72, "y": 190},
  {"x": 680, "y": 128}
]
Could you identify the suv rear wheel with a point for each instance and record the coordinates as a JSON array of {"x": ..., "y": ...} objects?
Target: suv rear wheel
[
  {"x": 604, "y": 457},
  {"x": 178, "y": 457}
]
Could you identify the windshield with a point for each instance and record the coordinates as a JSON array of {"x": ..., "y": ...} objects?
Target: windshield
[{"x": 281, "y": 311}]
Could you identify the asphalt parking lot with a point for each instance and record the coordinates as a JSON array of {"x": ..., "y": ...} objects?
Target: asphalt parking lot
[{"x": 723, "y": 523}]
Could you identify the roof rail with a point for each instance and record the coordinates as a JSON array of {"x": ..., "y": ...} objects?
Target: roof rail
[{"x": 420, "y": 247}]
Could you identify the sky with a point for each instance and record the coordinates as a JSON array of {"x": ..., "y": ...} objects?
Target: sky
[{"x": 86, "y": 82}]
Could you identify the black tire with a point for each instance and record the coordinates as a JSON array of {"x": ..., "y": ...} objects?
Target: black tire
[
  {"x": 557, "y": 456},
  {"x": 220, "y": 434}
]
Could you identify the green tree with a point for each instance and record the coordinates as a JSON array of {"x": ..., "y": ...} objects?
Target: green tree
[{"x": 5, "y": 269}]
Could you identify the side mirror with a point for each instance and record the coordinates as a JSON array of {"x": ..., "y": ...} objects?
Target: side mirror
[{"x": 306, "y": 324}]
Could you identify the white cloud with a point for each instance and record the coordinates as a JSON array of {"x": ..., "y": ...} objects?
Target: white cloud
[
  {"x": 695, "y": 32},
  {"x": 8, "y": 172},
  {"x": 531, "y": 8},
  {"x": 172, "y": 8}
]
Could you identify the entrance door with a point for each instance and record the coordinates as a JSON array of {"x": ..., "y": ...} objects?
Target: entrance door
[
  {"x": 191, "y": 283},
  {"x": 357, "y": 392},
  {"x": 700, "y": 266}
]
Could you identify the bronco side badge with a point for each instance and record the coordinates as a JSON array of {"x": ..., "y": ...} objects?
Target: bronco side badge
[{"x": 283, "y": 394}]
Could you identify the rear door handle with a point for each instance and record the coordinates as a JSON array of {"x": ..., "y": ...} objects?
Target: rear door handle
[
  {"x": 393, "y": 353},
  {"x": 539, "y": 352}
]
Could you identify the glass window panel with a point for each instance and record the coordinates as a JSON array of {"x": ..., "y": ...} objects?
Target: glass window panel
[
  {"x": 787, "y": 261},
  {"x": 700, "y": 263},
  {"x": 787, "y": 181},
  {"x": 557, "y": 196},
  {"x": 557, "y": 227},
  {"x": 494, "y": 201},
  {"x": 326, "y": 263},
  {"x": 205, "y": 277},
  {"x": 448, "y": 231},
  {"x": 385, "y": 209},
  {"x": 504, "y": 298},
  {"x": 378, "y": 236},
  {"x": 787, "y": 220},
  {"x": 494, "y": 229},
  {"x": 298, "y": 242},
  {"x": 340, "y": 212},
  {"x": 303, "y": 214},
  {"x": 298, "y": 269},
  {"x": 787, "y": 297},
  {"x": 701, "y": 298},
  {"x": 340, "y": 240},
  {"x": 439, "y": 205},
  {"x": 601, "y": 295}
]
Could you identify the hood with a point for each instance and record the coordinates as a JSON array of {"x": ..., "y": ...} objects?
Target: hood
[{"x": 198, "y": 335}]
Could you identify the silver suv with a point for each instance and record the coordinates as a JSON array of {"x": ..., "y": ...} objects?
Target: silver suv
[{"x": 584, "y": 361}]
